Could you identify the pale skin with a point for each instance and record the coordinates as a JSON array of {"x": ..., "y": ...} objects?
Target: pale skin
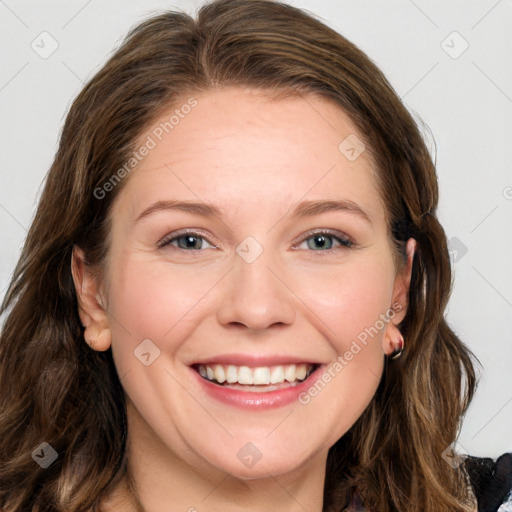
[{"x": 255, "y": 160}]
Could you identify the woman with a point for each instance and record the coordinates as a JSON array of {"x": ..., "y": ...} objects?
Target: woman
[{"x": 232, "y": 294}]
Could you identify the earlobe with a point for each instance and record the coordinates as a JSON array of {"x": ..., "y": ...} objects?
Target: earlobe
[
  {"x": 91, "y": 309},
  {"x": 393, "y": 342}
]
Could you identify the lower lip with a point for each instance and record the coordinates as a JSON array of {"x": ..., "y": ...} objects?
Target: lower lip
[{"x": 257, "y": 400}]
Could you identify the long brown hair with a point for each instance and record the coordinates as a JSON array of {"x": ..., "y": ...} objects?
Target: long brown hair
[{"x": 54, "y": 388}]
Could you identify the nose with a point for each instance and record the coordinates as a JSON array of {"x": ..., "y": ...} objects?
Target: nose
[{"x": 257, "y": 295}]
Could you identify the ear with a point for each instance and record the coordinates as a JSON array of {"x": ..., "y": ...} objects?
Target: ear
[
  {"x": 91, "y": 304},
  {"x": 393, "y": 337}
]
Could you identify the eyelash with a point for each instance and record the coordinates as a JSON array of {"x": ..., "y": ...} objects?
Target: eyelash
[{"x": 345, "y": 242}]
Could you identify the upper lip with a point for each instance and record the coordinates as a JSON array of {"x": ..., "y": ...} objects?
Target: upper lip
[{"x": 254, "y": 360}]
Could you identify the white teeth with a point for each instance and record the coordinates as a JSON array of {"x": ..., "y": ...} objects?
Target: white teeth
[
  {"x": 219, "y": 374},
  {"x": 301, "y": 371},
  {"x": 277, "y": 375},
  {"x": 263, "y": 375},
  {"x": 245, "y": 375},
  {"x": 289, "y": 373},
  {"x": 232, "y": 374}
]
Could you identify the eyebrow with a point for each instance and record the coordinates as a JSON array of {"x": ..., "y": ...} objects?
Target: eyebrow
[
  {"x": 304, "y": 209},
  {"x": 310, "y": 208}
]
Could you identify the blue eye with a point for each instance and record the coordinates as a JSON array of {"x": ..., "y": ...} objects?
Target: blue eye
[
  {"x": 187, "y": 241},
  {"x": 321, "y": 241},
  {"x": 324, "y": 241}
]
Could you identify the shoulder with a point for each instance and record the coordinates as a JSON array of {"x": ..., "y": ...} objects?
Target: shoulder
[{"x": 491, "y": 481}]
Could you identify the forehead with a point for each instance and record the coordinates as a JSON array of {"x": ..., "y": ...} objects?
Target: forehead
[{"x": 240, "y": 149}]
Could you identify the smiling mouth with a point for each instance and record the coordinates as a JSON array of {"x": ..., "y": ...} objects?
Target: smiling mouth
[{"x": 263, "y": 378}]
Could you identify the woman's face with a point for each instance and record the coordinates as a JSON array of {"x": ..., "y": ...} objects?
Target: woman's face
[{"x": 261, "y": 271}]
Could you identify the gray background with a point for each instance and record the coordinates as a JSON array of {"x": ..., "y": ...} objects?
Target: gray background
[{"x": 464, "y": 95}]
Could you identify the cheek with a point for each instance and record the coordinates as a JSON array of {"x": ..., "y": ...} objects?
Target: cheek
[
  {"x": 350, "y": 299},
  {"x": 152, "y": 300},
  {"x": 348, "y": 304}
]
